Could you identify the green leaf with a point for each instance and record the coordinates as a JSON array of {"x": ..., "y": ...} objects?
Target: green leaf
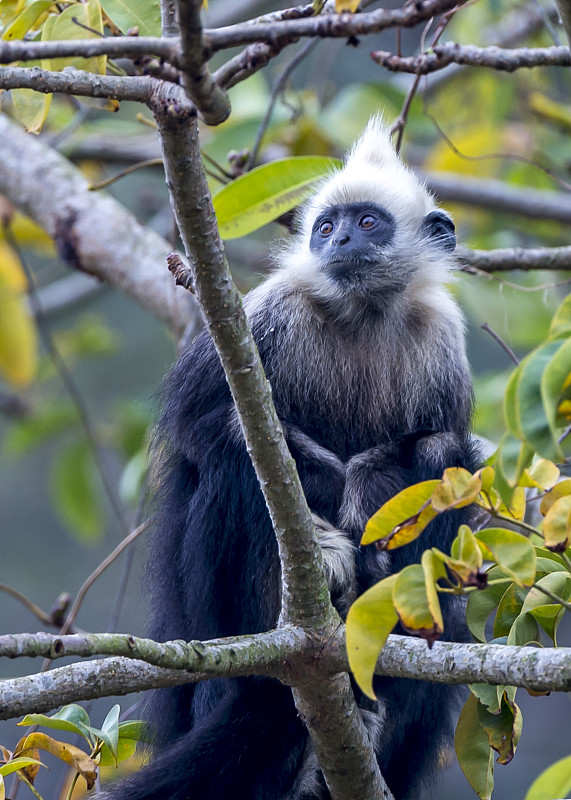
[
  {"x": 489, "y": 696},
  {"x": 509, "y": 609},
  {"x": 64, "y": 26},
  {"x": 142, "y": 14},
  {"x": 74, "y": 486},
  {"x": 18, "y": 763},
  {"x": 266, "y": 192},
  {"x": 72, "y": 718},
  {"x": 479, "y": 607},
  {"x": 512, "y": 457},
  {"x": 511, "y": 551},
  {"x": 536, "y": 421},
  {"x": 370, "y": 620},
  {"x": 402, "y": 518},
  {"x": 26, "y": 19},
  {"x": 473, "y": 750},
  {"x": 130, "y": 733},
  {"x": 416, "y": 601},
  {"x": 554, "y": 782},
  {"x": 503, "y": 728},
  {"x": 511, "y": 405},
  {"x": 524, "y": 631},
  {"x": 554, "y": 383}
]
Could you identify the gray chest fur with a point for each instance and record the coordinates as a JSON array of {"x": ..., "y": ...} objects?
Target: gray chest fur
[{"x": 375, "y": 376}]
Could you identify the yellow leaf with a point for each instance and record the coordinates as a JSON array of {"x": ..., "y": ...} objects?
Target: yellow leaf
[
  {"x": 457, "y": 489},
  {"x": 562, "y": 489},
  {"x": 543, "y": 475},
  {"x": 557, "y": 525},
  {"x": 346, "y": 5},
  {"x": 29, "y": 233},
  {"x": 403, "y": 517},
  {"x": 68, "y": 753},
  {"x": 370, "y": 620},
  {"x": 18, "y": 341},
  {"x": 30, "y": 108},
  {"x": 417, "y": 612}
]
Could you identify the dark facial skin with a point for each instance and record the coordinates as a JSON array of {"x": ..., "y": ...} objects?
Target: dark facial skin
[{"x": 348, "y": 238}]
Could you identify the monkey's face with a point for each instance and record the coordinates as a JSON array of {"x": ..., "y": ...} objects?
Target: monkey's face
[
  {"x": 349, "y": 238},
  {"x": 355, "y": 245}
]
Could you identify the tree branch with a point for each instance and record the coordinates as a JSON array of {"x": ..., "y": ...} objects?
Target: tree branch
[
  {"x": 328, "y": 706},
  {"x": 327, "y": 25},
  {"x": 552, "y": 258},
  {"x": 496, "y": 195},
  {"x": 75, "y": 81},
  {"x": 209, "y": 98},
  {"x": 495, "y": 57},
  {"x": 93, "y": 232},
  {"x": 138, "y": 664},
  {"x": 286, "y": 31},
  {"x": 167, "y": 48}
]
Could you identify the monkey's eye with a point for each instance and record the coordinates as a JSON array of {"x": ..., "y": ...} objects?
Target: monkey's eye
[
  {"x": 326, "y": 227},
  {"x": 367, "y": 222}
]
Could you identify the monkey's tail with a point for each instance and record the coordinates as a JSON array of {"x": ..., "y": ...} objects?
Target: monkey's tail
[{"x": 250, "y": 747}]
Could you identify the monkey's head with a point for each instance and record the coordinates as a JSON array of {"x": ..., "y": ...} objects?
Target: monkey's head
[{"x": 371, "y": 231}]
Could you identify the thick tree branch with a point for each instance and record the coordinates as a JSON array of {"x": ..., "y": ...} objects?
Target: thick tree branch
[
  {"x": 209, "y": 98},
  {"x": 222, "y": 306},
  {"x": 469, "y": 55},
  {"x": 328, "y": 706},
  {"x": 139, "y": 664},
  {"x": 93, "y": 232}
]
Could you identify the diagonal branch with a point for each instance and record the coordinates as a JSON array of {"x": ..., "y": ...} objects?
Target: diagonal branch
[
  {"x": 327, "y": 705},
  {"x": 93, "y": 232},
  {"x": 209, "y": 98}
]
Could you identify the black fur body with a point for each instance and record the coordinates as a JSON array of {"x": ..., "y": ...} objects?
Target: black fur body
[{"x": 370, "y": 380}]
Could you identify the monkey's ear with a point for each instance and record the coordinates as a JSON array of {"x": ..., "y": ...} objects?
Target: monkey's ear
[{"x": 439, "y": 227}]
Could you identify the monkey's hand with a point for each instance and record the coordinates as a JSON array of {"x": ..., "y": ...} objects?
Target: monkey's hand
[
  {"x": 437, "y": 451},
  {"x": 339, "y": 558}
]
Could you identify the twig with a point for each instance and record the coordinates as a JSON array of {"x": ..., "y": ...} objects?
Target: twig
[
  {"x": 88, "y": 583},
  {"x": 500, "y": 341},
  {"x": 151, "y": 162},
  {"x": 469, "y": 55},
  {"x": 277, "y": 88},
  {"x": 44, "y": 618},
  {"x": 210, "y": 98},
  {"x": 400, "y": 123}
]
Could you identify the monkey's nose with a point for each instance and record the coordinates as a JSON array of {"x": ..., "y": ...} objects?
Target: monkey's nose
[{"x": 342, "y": 238}]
